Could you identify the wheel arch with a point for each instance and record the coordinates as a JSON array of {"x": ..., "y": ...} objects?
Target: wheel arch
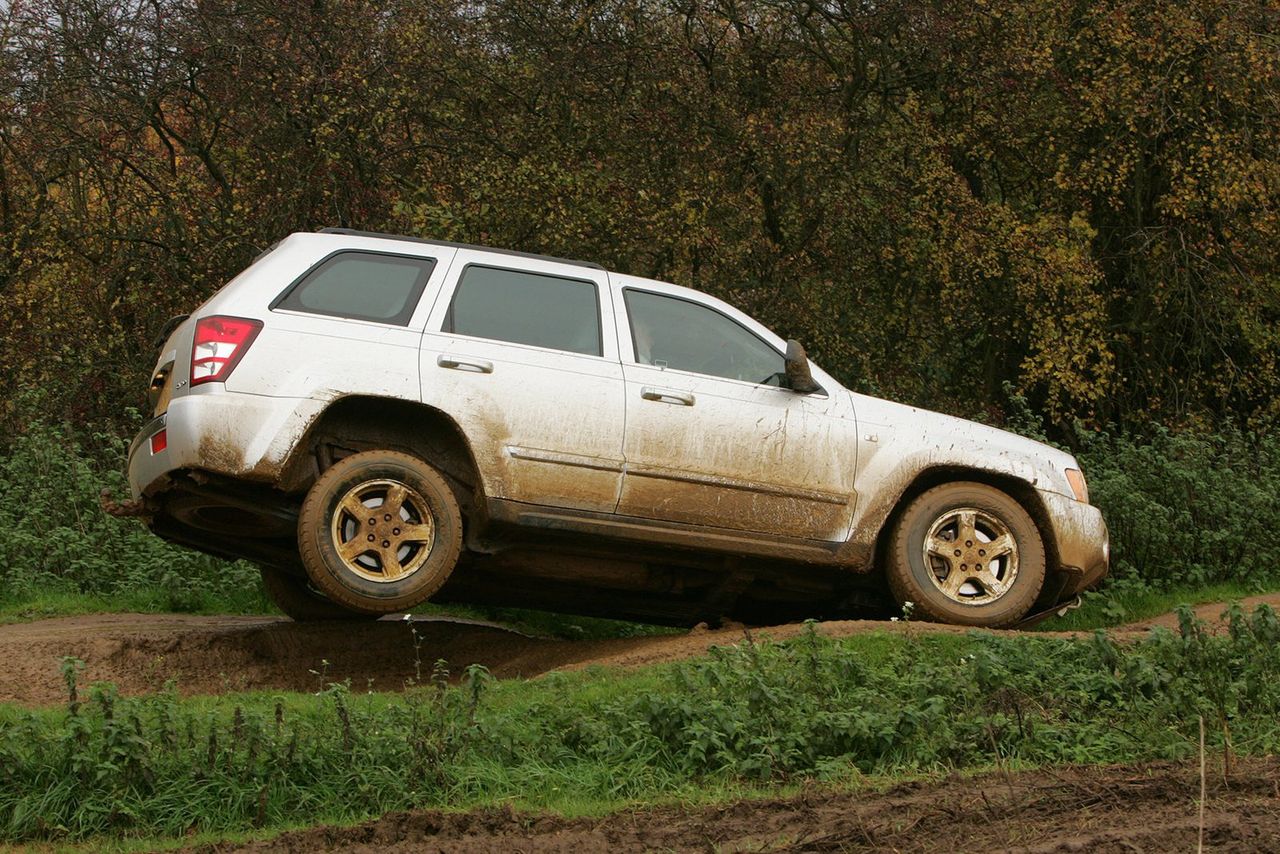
[
  {"x": 354, "y": 423},
  {"x": 1016, "y": 488}
]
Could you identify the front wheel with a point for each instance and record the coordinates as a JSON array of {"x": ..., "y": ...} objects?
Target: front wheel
[
  {"x": 969, "y": 554},
  {"x": 379, "y": 532}
]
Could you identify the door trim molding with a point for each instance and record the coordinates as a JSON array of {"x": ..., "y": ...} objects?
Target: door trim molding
[
  {"x": 538, "y": 455},
  {"x": 681, "y": 476}
]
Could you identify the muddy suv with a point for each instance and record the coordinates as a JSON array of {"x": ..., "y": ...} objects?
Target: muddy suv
[{"x": 378, "y": 420}]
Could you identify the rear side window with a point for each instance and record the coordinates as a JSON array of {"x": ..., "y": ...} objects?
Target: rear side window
[
  {"x": 526, "y": 308},
  {"x": 361, "y": 286}
]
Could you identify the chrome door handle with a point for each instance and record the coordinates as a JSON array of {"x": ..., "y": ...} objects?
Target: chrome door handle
[
  {"x": 476, "y": 366},
  {"x": 667, "y": 395}
]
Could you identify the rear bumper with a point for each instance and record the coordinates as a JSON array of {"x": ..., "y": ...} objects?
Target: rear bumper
[
  {"x": 1083, "y": 543},
  {"x": 244, "y": 436}
]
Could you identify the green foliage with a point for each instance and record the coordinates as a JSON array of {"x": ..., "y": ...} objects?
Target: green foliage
[
  {"x": 754, "y": 714},
  {"x": 58, "y": 540},
  {"x": 1188, "y": 509}
]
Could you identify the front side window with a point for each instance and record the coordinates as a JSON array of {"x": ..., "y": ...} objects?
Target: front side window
[
  {"x": 674, "y": 333},
  {"x": 362, "y": 286},
  {"x": 526, "y": 308}
]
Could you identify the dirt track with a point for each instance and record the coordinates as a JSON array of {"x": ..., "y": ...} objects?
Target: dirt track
[
  {"x": 1123, "y": 808},
  {"x": 211, "y": 655}
]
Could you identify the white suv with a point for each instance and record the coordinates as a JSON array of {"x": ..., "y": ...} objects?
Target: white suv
[{"x": 376, "y": 420}]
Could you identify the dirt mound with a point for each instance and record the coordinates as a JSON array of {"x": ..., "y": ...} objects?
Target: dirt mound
[
  {"x": 212, "y": 655},
  {"x": 1122, "y": 808}
]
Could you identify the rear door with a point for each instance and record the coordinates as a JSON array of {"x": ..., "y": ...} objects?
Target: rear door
[
  {"x": 712, "y": 437},
  {"x": 522, "y": 353}
]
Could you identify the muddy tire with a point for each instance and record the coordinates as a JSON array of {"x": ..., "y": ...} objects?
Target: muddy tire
[
  {"x": 968, "y": 554},
  {"x": 379, "y": 532},
  {"x": 299, "y": 602}
]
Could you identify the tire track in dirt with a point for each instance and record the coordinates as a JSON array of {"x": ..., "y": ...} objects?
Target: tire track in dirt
[
  {"x": 214, "y": 655},
  {"x": 1150, "y": 807}
]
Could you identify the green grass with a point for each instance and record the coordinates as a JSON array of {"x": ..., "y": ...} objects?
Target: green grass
[
  {"x": 753, "y": 717},
  {"x": 20, "y": 609},
  {"x": 1121, "y": 604}
]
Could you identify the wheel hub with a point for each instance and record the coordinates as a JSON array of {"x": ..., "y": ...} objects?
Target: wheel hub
[
  {"x": 971, "y": 555},
  {"x": 383, "y": 530}
]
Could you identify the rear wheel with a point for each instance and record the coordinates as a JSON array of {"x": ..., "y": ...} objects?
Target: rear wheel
[
  {"x": 292, "y": 595},
  {"x": 969, "y": 554},
  {"x": 379, "y": 532}
]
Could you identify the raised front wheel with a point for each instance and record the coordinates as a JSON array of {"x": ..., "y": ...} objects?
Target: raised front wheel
[
  {"x": 379, "y": 532},
  {"x": 967, "y": 553}
]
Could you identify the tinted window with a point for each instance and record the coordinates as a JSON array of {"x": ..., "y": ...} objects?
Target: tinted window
[
  {"x": 676, "y": 333},
  {"x": 526, "y": 308},
  {"x": 364, "y": 286}
]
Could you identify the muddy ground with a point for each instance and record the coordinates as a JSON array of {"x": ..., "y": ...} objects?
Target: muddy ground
[
  {"x": 1153, "y": 807},
  {"x": 1093, "y": 809},
  {"x": 212, "y": 655}
]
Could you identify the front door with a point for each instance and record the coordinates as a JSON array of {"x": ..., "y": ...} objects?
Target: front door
[{"x": 712, "y": 437}]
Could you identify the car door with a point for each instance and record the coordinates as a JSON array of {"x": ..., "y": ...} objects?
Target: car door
[
  {"x": 521, "y": 352},
  {"x": 712, "y": 438}
]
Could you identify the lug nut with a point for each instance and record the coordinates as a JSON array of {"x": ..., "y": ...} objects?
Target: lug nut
[
  {"x": 387, "y": 518},
  {"x": 968, "y": 543},
  {"x": 982, "y": 552},
  {"x": 371, "y": 538},
  {"x": 957, "y": 553},
  {"x": 373, "y": 521},
  {"x": 386, "y": 543},
  {"x": 395, "y": 531}
]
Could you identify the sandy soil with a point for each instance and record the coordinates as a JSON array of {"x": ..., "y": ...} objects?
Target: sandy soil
[
  {"x": 1094, "y": 809},
  {"x": 211, "y": 655}
]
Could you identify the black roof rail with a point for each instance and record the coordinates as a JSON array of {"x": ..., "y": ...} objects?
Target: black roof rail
[{"x": 352, "y": 232}]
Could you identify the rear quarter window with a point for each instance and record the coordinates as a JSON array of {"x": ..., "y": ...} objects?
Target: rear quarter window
[{"x": 361, "y": 286}]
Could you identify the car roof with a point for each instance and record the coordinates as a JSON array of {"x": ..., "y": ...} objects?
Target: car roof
[{"x": 351, "y": 232}]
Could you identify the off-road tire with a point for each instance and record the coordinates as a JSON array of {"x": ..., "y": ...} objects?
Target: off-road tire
[
  {"x": 316, "y": 532},
  {"x": 292, "y": 595},
  {"x": 909, "y": 573}
]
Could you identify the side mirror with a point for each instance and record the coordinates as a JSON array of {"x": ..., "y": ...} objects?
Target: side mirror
[{"x": 799, "y": 378}]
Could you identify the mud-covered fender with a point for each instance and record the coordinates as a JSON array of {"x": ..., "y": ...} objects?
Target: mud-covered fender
[{"x": 899, "y": 446}]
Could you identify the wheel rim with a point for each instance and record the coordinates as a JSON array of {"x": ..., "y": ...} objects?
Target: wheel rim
[
  {"x": 383, "y": 530},
  {"x": 972, "y": 556}
]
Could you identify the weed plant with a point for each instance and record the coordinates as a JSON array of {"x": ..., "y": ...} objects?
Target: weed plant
[
  {"x": 754, "y": 714},
  {"x": 1188, "y": 509},
  {"x": 59, "y": 543}
]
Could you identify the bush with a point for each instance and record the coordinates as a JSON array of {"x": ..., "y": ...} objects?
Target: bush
[
  {"x": 1188, "y": 508},
  {"x": 58, "y": 539}
]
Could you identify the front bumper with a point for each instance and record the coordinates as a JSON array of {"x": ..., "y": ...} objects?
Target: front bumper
[
  {"x": 1083, "y": 543},
  {"x": 243, "y": 436}
]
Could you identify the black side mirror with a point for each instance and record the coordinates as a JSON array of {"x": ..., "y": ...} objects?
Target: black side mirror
[{"x": 799, "y": 378}]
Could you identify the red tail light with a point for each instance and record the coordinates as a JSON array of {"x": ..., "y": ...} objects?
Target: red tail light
[{"x": 220, "y": 344}]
